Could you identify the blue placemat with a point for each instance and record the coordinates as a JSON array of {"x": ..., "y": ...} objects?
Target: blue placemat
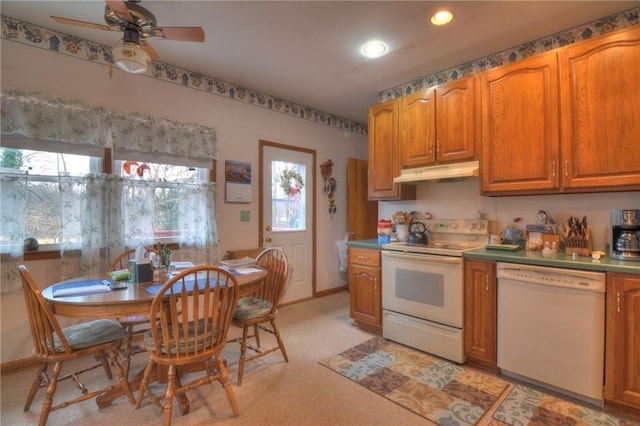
[
  {"x": 177, "y": 287},
  {"x": 80, "y": 287}
]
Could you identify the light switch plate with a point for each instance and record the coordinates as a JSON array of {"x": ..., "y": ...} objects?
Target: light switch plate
[{"x": 244, "y": 215}]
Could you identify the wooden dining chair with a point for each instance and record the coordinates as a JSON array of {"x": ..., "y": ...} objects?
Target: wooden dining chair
[
  {"x": 192, "y": 312},
  {"x": 131, "y": 323},
  {"x": 256, "y": 310},
  {"x": 53, "y": 344}
]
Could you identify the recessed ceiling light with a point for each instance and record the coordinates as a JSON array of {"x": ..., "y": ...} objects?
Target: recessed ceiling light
[
  {"x": 373, "y": 49},
  {"x": 441, "y": 17}
]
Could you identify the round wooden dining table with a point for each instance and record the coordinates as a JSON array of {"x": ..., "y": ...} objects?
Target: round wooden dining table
[{"x": 123, "y": 302}]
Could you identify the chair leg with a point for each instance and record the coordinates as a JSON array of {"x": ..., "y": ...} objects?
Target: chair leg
[
  {"x": 226, "y": 384},
  {"x": 256, "y": 329},
  {"x": 276, "y": 332},
  {"x": 40, "y": 376},
  {"x": 243, "y": 353},
  {"x": 144, "y": 383},
  {"x": 124, "y": 380},
  {"x": 167, "y": 411},
  {"x": 51, "y": 389},
  {"x": 105, "y": 364}
]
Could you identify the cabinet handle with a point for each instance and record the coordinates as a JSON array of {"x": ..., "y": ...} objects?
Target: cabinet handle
[
  {"x": 553, "y": 168},
  {"x": 438, "y": 147},
  {"x": 618, "y": 302},
  {"x": 375, "y": 283},
  {"x": 486, "y": 283},
  {"x": 363, "y": 257},
  {"x": 566, "y": 168},
  {"x": 430, "y": 148}
]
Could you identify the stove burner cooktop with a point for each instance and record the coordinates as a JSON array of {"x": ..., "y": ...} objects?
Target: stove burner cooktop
[{"x": 448, "y": 237}]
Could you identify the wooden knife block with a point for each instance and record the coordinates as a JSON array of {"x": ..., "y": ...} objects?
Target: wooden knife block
[{"x": 580, "y": 245}]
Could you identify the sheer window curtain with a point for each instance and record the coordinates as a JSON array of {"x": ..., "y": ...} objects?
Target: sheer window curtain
[{"x": 13, "y": 201}]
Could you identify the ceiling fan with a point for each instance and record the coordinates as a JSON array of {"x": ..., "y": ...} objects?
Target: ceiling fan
[{"x": 137, "y": 25}]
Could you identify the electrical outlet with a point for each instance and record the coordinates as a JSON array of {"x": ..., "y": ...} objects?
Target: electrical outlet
[{"x": 245, "y": 215}]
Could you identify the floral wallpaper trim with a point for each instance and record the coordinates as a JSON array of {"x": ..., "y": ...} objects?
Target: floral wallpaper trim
[
  {"x": 563, "y": 38},
  {"x": 30, "y": 34}
]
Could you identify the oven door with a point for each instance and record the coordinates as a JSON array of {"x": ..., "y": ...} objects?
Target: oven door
[{"x": 425, "y": 286}]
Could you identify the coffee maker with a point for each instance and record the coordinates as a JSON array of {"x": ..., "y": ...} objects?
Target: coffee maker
[{"x": 625, "y": 234}]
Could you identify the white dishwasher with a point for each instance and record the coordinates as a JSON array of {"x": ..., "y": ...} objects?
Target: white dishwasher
[{"x": 551, "y": 328}]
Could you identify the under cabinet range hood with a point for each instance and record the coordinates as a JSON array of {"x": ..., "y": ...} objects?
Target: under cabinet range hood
[{"x": 439, "y": 172}]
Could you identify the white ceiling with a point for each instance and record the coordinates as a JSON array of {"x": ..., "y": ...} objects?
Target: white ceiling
[{"x": 308, "y": 52}]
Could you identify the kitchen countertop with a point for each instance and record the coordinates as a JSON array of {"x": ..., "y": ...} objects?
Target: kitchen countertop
[
  {"x": 559, "y": 260},
  {"x": 528, "y": 257},
  {"x": 373, "y": 243}
]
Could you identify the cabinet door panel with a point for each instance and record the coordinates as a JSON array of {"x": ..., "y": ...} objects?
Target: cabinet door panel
[
  {"x": 456, "y": 116},
  {"x": 600, "y": 107},
  {"x": 520, "y": 133},
  {"x": 622, "y": 367},
  {"x": 480, "y": 341},
  {"x": 384, "y": 154},
  {"x": 417, "y": 129}
]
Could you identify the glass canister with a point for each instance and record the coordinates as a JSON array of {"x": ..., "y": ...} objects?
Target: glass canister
[{"x": 384, "y": 231}]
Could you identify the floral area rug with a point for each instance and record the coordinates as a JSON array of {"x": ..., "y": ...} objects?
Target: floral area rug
[
  {"x": 449, "y": 394},
  {"x": 530, "y": 407},
  {"x": 437, "y": 390}
]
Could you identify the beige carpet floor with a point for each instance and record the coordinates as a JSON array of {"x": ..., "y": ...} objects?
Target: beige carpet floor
[{"x": 300, "y": 392}]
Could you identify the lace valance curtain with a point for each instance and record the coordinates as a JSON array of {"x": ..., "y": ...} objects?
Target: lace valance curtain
[{"x": 36, "y": 116}]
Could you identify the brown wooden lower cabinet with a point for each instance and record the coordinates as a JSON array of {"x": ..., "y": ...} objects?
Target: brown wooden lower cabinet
[
  {"x": 622, "y": 353},
  {"x": 480, "y": 313},
  {"x": 365, "y": 288}
]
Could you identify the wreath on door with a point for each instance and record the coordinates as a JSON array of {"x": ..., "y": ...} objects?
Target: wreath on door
[{"x": 291, "y": 182}]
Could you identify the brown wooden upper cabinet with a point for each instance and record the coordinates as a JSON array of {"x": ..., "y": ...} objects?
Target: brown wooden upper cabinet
[
  {"x": 600, "y": 112},
  {"x": 384, "y": 154},
  {"x": 438, "y": 125},
  {"x": 520, "y": 126},
  {"x": 587, "y": 92}
]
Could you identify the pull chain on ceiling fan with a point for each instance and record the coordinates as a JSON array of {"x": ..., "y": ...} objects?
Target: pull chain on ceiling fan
[{"x": 133, "y": 53}]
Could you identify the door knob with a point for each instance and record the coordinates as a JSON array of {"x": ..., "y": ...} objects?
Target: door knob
[
  {"x": 267, "y": 228},
  {"x": 267, "y": 239}
]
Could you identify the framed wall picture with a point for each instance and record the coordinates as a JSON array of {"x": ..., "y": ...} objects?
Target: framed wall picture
[{"x": 237, "y": 181}]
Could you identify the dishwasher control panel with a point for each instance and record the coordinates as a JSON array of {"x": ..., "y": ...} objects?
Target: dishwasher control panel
[{"x": 559, "y": 277}]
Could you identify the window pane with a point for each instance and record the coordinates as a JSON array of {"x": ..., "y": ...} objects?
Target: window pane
[
  {"x": 45, "y": 163},
  {"x": 165, "y": 197},
  {"x": 288, "y": 196},
  {"x": 160, "y": 172},
  {"x": 42, "y": 218}
]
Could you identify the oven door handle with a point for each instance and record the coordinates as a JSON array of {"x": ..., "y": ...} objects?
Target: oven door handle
[{"x": 452, "y": 260}]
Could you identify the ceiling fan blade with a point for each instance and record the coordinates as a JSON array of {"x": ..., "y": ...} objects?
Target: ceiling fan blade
[
  {"x": 120, "y": 8},
  {"x": 179, "y": 33},
  {"x": 80, "y": 23},
  {"x": 150, "y": 50}
]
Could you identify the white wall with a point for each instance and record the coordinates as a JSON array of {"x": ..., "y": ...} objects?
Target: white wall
[
  {"x": 239, "y": 127},
  {"x": 461, "y": 200}
]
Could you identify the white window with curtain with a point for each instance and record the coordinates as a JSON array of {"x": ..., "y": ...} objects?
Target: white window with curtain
[{"x": 53, "y": 190}]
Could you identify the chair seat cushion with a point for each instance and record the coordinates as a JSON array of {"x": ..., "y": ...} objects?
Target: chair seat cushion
[
  {"x": 191, "y": 343},
  {"x": 90, "y": 333},
  {"x": 252, "y": 307}
]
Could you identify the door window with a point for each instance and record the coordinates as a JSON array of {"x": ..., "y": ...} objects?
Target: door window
[{"x": 287, "y": 194}]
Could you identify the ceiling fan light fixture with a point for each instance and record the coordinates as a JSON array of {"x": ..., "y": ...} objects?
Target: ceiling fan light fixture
[{"x": 131, "y": 58}]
